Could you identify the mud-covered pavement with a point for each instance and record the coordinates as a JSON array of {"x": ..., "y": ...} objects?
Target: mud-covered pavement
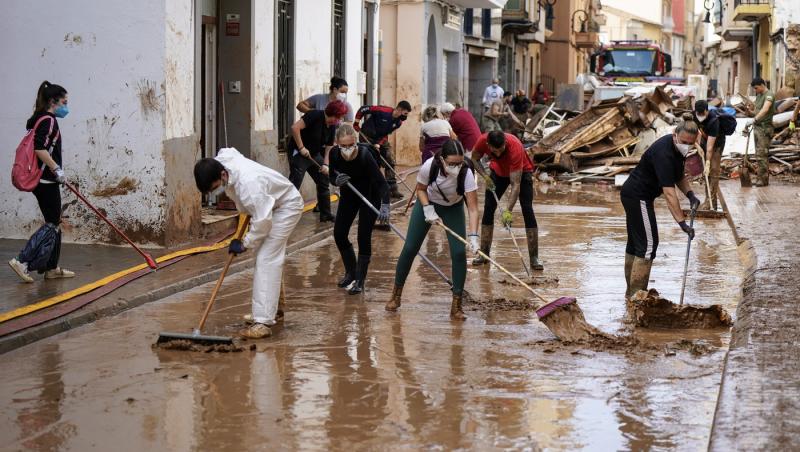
[{"x": 343, "y": 373}]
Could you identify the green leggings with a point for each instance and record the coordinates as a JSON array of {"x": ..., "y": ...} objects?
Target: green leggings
[{"x": 453, "y": 217}]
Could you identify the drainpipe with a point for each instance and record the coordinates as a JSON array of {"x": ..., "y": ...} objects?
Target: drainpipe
[{"x": 755, "y": 50}]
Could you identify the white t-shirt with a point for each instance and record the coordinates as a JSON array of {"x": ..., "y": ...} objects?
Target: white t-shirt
[
  {"x": 447, "y": 185},
  {"x": 436, "y": 128}
]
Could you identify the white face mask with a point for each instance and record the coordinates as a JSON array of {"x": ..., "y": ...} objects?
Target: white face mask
[
  {"x": 452, "y": 170},
  {"x": 348, "y": 152},
  {"x": 342, "y": 96},
  {"x": 701, "y": 118},
  {"x": 219, "y": 190},
  {"x": 681, "y": 147}
]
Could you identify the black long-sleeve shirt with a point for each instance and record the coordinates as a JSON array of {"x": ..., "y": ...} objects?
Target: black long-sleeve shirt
[
  {"x": 47, "y": 140},
  {"x": 364, "y": 173}
]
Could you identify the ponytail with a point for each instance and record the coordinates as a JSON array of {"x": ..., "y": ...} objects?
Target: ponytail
[{"x": 47, "y": 93}]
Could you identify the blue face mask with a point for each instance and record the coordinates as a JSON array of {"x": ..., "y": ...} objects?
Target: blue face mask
[{"x": 61, "y": 111}]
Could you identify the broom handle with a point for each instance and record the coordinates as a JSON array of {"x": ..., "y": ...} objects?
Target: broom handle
[
  {"x": 513, "y": 238},
  {"x": 237, "y": 235},
  {"x": 482, "y": 254},
  {"x": 388, "y": 167},
  {"x": 103, "y": 217}
]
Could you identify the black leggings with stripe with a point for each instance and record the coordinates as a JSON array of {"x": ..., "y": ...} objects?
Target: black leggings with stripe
[{"x": 640, "y": 219}]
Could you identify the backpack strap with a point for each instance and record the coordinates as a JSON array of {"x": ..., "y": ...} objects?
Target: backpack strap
[{"x": 47, "y": 140}]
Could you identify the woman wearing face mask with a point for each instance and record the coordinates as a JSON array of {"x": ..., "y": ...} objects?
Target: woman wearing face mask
[
  {"x": 444, "y": 182},
  {"x": 352, "y": 163},
  {"x": 659, "y": 171},
  {"x": 51, "y": 103},
  {"x": 338, "y": 91},
  {"x": 433, "y": 133}
]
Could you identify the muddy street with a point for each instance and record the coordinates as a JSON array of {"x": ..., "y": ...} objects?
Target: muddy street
[{"x": 342, "y": 373}]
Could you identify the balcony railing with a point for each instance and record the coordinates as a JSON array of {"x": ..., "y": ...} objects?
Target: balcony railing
[{"x": 750, "y": 2}]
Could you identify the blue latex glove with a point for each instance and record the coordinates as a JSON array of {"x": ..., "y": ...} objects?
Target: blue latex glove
[
  {"x": 236, "y": 247},
  {"x": 687, "y": 229},
  {"x": 383, "y": 215}
]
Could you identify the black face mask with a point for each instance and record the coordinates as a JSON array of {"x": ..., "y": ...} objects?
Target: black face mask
[{"x": 402, "y": 117}]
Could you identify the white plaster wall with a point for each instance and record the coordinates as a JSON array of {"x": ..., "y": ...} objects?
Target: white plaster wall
[
  {"x": 785, "y": 12},
  {"x": 313, "y": 50},
  {"x": 180, "y": 51},
  {"x": 263, "y": 65},
  {"x": 354, "y": 63},
  {"x": 646, "y": 9},
  {"x": 110, "y": 57}
]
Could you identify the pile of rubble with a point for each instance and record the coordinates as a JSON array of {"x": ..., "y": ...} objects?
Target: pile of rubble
[{"x": 605, "y": 140}]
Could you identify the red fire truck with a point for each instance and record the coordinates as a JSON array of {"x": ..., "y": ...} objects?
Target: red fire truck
[{"x": 633, "y": 61}]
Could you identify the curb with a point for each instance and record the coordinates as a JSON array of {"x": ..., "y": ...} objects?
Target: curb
[{"x": 79, "y": 318}]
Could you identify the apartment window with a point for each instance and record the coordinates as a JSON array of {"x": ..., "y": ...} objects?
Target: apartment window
[
  {"x": 339, "y": 49},
  {"x": 468, "y": 22},
  {"x": 549, "y": 16},
  {"x": 486, "y": 23}
]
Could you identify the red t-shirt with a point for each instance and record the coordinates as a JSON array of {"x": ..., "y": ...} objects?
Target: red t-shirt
[
  {"x": 465, "y": 127},
  {"x": 513, "y": 159}
]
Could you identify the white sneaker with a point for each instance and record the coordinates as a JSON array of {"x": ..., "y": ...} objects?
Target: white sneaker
[
  {"x": 21, "y": 270},
  {"x": 58, "y": 273}
]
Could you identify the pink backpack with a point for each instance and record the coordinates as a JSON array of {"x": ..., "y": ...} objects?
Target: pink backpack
[{"x": 26, "y": 172}]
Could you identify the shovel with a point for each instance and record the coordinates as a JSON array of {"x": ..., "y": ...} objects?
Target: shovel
[
  {"x": 513, "y": 239},
  {"x": 563, "y": 317},
  {"x": 688, "y": 249},
  {"x": 195, "y": 336},
  {"x": 150, "y": 261}
]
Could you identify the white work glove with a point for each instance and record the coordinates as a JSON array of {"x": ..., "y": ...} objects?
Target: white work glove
[
  {"x": 430, "y": 214},
  {"x": 474, "y": 247},
  {"x": 304, "y": 152},
  {"x": 60, "y": 178}
]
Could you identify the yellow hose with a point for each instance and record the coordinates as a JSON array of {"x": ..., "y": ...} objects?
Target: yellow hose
[{"x": 25, "y": 310}]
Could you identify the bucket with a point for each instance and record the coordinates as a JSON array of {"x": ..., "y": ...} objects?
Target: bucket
[{"x": 693, "y": 165}]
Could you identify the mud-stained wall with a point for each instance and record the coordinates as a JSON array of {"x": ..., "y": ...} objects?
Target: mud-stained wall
[
  {"x": 182, "y": 210},
  {"x": 110, "y": 57}
]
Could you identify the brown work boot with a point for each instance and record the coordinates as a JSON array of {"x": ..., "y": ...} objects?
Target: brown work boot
[
  {"x": 640, "y": 276},
  {"x": 487, "y": 231},
  {"x": 394, "y": 303},
  {"x": 533, "y": 248},
  {"x": 455, "y": 308},
  {"x": 628, "y": 267},
  {"x": 256, "y": 331}
]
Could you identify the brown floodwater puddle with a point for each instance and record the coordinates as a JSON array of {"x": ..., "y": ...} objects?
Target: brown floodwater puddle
[{"x": 343, "y": 373}]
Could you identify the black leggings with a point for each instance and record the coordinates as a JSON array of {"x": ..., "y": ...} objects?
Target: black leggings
[
  {"x": 351, "y": 205},
  {"x": 49, "y": 198},
  {"x": 298, "y": 166},
  {"x": 640, "y": 219},
  {"x": 525, "y": 199}
]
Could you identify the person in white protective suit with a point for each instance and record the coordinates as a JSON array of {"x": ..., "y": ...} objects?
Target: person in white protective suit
[{"x": 274, "y": 206}]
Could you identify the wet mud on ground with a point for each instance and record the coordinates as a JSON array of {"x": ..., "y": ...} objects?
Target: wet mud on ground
[{"x": 342, "y": 373}]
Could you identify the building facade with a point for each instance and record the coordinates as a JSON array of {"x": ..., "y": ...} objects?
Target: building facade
[{"x": 167, "y": 82}]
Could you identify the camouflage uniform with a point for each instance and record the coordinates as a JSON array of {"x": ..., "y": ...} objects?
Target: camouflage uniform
[{"x": 763, "y": 135}]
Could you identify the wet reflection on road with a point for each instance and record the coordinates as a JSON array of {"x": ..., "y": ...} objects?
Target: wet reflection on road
[{"x": 343, "y": 373}]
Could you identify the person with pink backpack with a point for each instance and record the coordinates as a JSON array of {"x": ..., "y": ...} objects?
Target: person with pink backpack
[{"x": 42, "y": 251}]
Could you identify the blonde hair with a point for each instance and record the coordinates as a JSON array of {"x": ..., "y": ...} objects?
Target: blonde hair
[
  {"x": 430, "y": 113},
  {"x": 346, "y": 130}
]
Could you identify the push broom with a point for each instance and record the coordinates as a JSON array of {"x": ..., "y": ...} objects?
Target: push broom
[
  {"x": 196, "y": 336},
  {"x": 563, "y": 317}
]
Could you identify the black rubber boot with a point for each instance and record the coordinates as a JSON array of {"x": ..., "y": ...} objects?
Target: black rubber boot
[
  {"x": 640, "y": 275},
  {"x": 532, "y": 235},
  {"x": 349, "y": 260},
  {"x": 361, "y": 275},
  {"x": 394, "y": 192}
]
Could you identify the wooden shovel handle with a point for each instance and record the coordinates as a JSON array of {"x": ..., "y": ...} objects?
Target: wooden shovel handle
[
  {"x": 244, "y": 221},
  {"x": 482, "y": 254}
]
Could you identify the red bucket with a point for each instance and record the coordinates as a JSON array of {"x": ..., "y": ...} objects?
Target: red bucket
[{"x": 694, "y": 164}]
